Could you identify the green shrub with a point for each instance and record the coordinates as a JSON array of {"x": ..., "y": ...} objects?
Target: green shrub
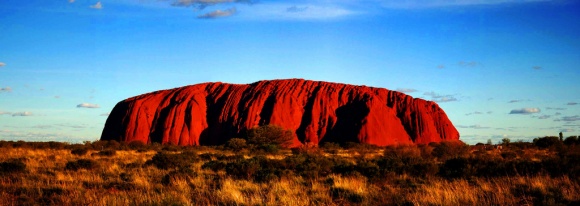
[
  {"x": 236, "y": 144},
  {"x": 572, "y": 140},
  {"x": 164, "y": 160},
  {"x": 214, "y": 165},
  {"x": 331, "y": 147},
  {"x": 446, "y": 150},
  {"x": 270, "y": 135},
  {"x": 243, "y": 169},
  {"x": 456, "y": 168},
  {"x": 545, "y": 142}
]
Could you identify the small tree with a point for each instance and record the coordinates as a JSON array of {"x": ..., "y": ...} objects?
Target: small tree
[
  {"x": 505, "y": 141},
  {"x": 270, "y": 135}
]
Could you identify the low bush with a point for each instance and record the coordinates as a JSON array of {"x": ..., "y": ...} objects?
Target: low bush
[
  {"x": 546, "y": 142},
  {"x": 87, "y": 164},
  {"x": 79, "y": 151},
  {"x": 447, "y": 150},
  {"x": 106, "y": 153},
  {"x": 163, "y": 160},
  {"x": 269, "y": 135},
  {"x": 236, "y": 144},
  {"x": 12, "y": 166},
  {"x": 214, "y": 165}
]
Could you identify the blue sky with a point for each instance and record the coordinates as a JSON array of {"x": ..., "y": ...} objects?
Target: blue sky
[{"x": 499, "y": 68}]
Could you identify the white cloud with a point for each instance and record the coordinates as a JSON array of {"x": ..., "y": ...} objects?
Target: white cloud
[
  {"x": 71, "y": 1},
  {"x": 525, "y": 111},
  {"x": 21, "y": 114},
  {"x": 3, "y": 113},
  {"x": 446, "y": 99},
  {"x": 440, "y": 98},
  {"x": 88, "y": 105},
  {"x": 406, "y": 90},
  {"x": 98, "y": 5},
  {"x": 6, "y": 89},
  {"x": 2, "y": 64},
  {"x": 218, "y": 13}
]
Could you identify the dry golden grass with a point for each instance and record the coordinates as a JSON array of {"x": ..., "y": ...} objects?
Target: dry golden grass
[{"x": 124, "y": 179}]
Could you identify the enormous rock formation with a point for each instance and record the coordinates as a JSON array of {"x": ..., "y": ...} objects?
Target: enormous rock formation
[{"x": 212, "y": 113}]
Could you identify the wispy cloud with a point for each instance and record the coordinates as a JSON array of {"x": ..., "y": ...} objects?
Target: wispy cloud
[
  {"x": 406, "y": 90},
  {"x": 21, "y": 114},
  {"x": 88, "y": 105},
  {"x": 474, "y": 113},
  {"x": 3, "y": 113},
  {"x": 567, "y": 130},
  {"x": 572, "y": 103},
  {"x": 440, "y": 98},
  {"x": 218, "y": 13},
  {"x": 537, "y": 67},
  {"x": 2, "y": 64},
  {"x": 202, "y": 4},
  {"x": 6, "y": 89},
  {"x": 475, "y": 126},
  {"x": 71, "y": 1},
  {"x": 441, "y": 66},
  {"x": 423, "y": 4},
  {"x": 515, "y": 100},
  {"x": 98, "y": 5},
  {"x": 569, "y": 118},
  {"x": 544, "y": 117},
  {"x": 525, "y": 111},
  {"x": 469, "y": 64},
  {"x": 555, "y": 108},
  {"x": 277, "y": 11},
  {"x": 296, "y": 9}
]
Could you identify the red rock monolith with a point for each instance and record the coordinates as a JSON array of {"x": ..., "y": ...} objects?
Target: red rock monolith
[{"x": 212, "y": 113}]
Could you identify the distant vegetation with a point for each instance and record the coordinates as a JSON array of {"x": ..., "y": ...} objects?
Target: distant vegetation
[{"x": 246, "y": 172}]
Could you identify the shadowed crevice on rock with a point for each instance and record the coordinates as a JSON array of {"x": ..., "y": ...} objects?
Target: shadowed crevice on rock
[
  {"x": 307, "y": 115},
  {"x": 267, "y": 110},
  {"x": 349, "y": 123}
]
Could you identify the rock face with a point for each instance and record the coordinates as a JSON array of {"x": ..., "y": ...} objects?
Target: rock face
[{"x": 212, "y": 113}]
